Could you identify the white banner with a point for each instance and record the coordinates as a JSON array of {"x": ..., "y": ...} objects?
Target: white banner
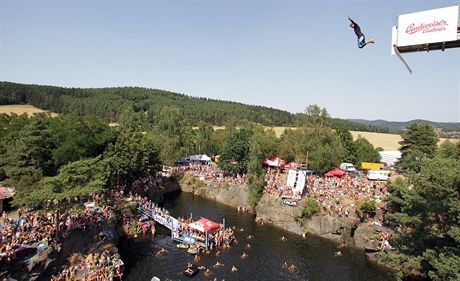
[{"x": 439, "y": 25}]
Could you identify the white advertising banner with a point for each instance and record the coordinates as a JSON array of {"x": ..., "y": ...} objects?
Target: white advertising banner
[{"x": 439, "y": 25}]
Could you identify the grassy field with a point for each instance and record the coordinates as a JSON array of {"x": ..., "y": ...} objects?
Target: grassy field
[
  {"x": 22, "y": 108},
  {"x": 385, "y": 141}
]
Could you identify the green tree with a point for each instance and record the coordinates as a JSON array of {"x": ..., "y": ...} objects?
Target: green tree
[
  {"x": 317, "y": 116},
  {"x": 263, "y": 144},
  {"x": 449, "y": 149},
  {"x": 28, "y": 158},
  {"x": 346, "y": 139},
  {"x": 426, "y": 210},
  {"x": 79, "y": 137},
  {"x": 365, "y": 151},
  {"x": 133, "y": 155},
  {"x": 419, "y": 143},
  {"x": 235, "y": 153},
  {"x": 204, "y": 139},
  {"x": 77, "y": 178}
]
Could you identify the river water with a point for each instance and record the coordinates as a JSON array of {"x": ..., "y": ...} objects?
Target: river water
[{"x": 313, "y": 256}]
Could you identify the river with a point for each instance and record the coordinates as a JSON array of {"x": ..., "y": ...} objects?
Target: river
[{"x": 314, "y": 256}]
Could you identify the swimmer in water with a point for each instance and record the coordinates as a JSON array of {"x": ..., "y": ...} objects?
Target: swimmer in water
[
  {"x": 161, "y": 252},
  {"x": 207, "y": 273},
  {"x": 338, "y": 254},
  {"x": 218, "y": 264},
  {"x": 248, "y": 246},
  {"x": 234, "y": 269},
  {"x": 284, "y": 239},
  {"x": 244, "y": 256},
  {"x": 196, "y": 258},
  {"x": 292, "y": 268},
  {"x": 285, "y": 265},
  {"x": 250, "y": 237}
]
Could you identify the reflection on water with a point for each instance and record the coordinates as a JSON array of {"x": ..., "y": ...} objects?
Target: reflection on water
[{"x": 314, "y": 256}]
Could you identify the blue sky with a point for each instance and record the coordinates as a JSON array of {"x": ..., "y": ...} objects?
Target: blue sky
[{"x": 283, "y": 54}]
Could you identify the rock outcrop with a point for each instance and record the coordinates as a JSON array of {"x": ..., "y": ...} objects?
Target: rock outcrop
[
  {"x": 232, "y": 195},
  {"x": 272, "y": 210}
]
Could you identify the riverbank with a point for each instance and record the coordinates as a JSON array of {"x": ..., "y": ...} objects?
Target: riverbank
[{"x": 348, "y": 230}]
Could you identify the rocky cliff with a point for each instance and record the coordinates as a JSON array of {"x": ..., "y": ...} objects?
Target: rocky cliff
[{"x": 272, "y": 210}]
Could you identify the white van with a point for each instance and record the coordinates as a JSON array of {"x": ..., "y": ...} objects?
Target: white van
[
  {"x": 378, "y": 175},
  {"x": 347, "y": 167}
]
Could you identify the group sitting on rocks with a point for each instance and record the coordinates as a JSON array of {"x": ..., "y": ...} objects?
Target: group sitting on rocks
[
  {"x": 106, "y": 266},
  {"x": 209, "y": 173},
  {"x": 43, "y": 229}
]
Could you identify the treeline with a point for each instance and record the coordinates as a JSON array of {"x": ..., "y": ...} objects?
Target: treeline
[
  {"x": 109, "y": 103},
  {"x": 45, "y": 157}
]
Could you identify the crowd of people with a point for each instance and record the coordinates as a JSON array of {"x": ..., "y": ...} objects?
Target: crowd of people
[
  {"x": 330, "y": 192},
  {"x": 274, "y": 182},
  {"x": 39, "y": 230},
  {"x": 30, "y": 230},
  {"x": 106, "y": 266},
  {"x": 209, "y": 173}
]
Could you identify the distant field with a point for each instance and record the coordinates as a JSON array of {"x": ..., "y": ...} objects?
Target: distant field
[
  {"x": 385, "y": 141},
  {"x": 22, "y": 108}
]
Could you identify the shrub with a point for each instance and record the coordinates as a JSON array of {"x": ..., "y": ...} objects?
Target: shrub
[
  {"x": 367, "y": 206},
  {"x": 311, "y": 208}
]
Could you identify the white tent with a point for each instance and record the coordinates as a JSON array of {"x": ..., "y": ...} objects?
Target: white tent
[
  {"x": 200, "y": 158},
  {"x": 205, "y": 158},
  {"x": 389, "y": 157}
]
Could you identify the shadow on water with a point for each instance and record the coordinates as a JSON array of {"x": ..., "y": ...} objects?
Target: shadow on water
[{"x": 314, "y": 256}]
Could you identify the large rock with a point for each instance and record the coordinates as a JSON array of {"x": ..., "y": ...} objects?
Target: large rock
[
  {"x": 367, "y": 237},
  {"x": 324, "y": 225},
  {"x": 232, "y": 195},
  {"x": 272, "y": 210}
]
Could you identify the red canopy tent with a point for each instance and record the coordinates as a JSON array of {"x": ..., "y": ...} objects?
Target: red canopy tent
[
  {"x": 204, "y": 225},
  {"x": 335, "y": 173}
]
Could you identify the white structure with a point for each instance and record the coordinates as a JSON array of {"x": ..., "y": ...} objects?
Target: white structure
[
  {"x": 296, "y": 180},
  {"x": 389, "y": 158},
  {"x": 378, "y": 175},
  {"x": 437, "y": 29},
  {"x": 347, "y": 167},
  {"x": 428, "y": 30}
]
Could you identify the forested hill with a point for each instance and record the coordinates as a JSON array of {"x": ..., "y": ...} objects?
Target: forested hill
[
  {"x": 108, "y": 103},
  {"x": 398, "y": 127}
]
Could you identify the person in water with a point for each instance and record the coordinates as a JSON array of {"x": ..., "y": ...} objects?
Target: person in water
[
  {"x": 161, "y": 252},
  {"x": 361, "y": 38},
  {"x": 218, "y": 264},
  {"x": 292, "y": 268}
]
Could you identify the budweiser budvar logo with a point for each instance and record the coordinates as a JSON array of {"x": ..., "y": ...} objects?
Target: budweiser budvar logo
[{"x": 434, "y": 26}]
